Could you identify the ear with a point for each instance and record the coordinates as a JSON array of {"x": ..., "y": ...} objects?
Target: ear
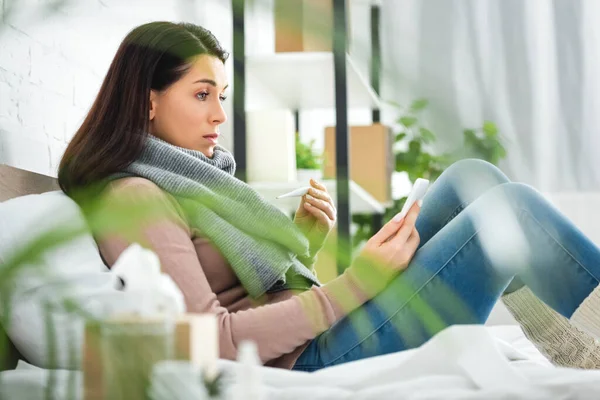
[{"x": 153, "y": 104}]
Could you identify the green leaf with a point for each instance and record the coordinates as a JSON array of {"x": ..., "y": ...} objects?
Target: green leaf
[
  {"x": 403, "y": 162},
  {"x": 470, "y": 135},
  {"x": 414, "y": 150},
  {"x": 501, "y": 151},
  {"x": 490, "y": 129},
  {"x": 400, "y": 137},
  {"x": 401, "y": 157},
  {"x": 393, "y": 103},
  {"x": 427, "y": 135},
  {"x": 419, "y": 104},
  {"x": 408, "y": 121}
]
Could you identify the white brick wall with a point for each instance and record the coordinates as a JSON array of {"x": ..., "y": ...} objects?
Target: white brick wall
[{"x": 52, "y": 66}]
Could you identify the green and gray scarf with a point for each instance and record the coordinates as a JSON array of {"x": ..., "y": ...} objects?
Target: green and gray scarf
[{"x": 263, "y": 246}]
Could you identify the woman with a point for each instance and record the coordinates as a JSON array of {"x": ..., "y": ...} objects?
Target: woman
[{"x": 151, "y": 137}]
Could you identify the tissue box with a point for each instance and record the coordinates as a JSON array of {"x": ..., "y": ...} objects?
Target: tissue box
[{"x": 195, "y": 339}]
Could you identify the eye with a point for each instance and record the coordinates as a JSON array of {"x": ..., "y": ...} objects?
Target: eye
[
  {"x": 222, "y": 98},
  {"x": 202, "y": 96}
]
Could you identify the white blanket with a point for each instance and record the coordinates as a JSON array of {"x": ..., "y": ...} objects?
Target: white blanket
[{"x": 463, "y": 362}]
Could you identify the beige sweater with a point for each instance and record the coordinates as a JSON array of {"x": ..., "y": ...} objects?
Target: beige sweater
[
  {"x": 566, "y": 343},
  {"x": 281, "y": 324}
]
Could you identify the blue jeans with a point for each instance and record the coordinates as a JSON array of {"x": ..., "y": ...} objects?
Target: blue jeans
[{"x": 473, "y": 243}]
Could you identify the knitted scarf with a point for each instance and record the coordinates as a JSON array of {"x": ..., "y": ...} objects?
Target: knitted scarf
[{"x": 264, "y": 247}]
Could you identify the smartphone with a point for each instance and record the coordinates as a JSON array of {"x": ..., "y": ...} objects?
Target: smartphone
[{"x": 417, "y": 193}]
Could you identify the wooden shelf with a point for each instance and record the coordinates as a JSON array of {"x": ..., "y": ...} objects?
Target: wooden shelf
[
  {"x": 361, "y": 202},
  {"x": 303, "y": 80}
]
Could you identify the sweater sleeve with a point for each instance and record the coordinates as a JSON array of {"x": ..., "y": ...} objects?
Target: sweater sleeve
[{"x": 277, "y": 328}]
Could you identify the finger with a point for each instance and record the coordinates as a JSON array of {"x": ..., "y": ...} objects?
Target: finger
[
  {"x": 318, "y": 185},
  {"x": 320, "y": 191},
  {"x": 411, "y": 245},
  {"x": 408, "y": 226},
  {"x": 321, "y": 204},
  {"x": 301, "y": 211},
  {"x": 414, "y": 237},
  {"x": 387, "y": 231},
  {"x": 319, "y": 214},
  {"x": 320, "y": 194},
  {"x": 413, "y": 242}
]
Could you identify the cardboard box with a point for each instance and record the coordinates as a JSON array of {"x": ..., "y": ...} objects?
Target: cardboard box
[
  {"x": 305, "y": 25},
  {"x": 371, "y": 159},
  {"x": 195, "y": 338}
]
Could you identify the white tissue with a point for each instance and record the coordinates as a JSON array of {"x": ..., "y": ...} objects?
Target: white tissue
[
  {"x": 139, "y": 270},
  {"x": 248, "y": 380},
  {"x": 176, "y": 380}
]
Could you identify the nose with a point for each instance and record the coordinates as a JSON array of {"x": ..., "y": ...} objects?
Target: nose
[{"x": 219, "y": 116}]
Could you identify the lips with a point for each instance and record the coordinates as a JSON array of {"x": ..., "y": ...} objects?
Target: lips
[{"x": 212, "y": 138}]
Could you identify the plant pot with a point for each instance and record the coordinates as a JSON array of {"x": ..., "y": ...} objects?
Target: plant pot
[{"x": 304, "y": 175}]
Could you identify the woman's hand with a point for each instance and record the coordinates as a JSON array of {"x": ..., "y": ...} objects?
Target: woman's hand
[
  {"x": 316, "y": 216},
  {"x": 394, "y": 246}
]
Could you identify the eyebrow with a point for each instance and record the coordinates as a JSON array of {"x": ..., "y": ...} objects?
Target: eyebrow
[{"x": 210, "y": 82}]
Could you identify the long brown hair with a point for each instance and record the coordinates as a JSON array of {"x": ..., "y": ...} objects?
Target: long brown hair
[{"x": 151, "y": 57}]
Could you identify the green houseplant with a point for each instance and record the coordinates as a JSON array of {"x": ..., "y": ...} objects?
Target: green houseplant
[
  {"x": 308, "y": 161},
  {"x": 419, "y": 159}
]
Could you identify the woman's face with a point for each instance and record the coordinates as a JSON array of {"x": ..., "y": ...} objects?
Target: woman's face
[{"x": 188, "y": 113}]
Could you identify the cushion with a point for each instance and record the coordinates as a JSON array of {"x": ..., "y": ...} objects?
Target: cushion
[
  {"x": 69, "y": 270},
  {"x": 46, "y": 331}
]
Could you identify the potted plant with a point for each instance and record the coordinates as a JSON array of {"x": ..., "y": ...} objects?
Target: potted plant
[
  {"x": 419, "y": 160},
  {"x": 308, "y": 161}
]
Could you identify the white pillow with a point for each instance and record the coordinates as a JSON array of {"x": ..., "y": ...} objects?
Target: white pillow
[
  {"x": 24, "y": 219},
  {"x": 69, "y": 270},
  {"x": 72, "y": 271}
]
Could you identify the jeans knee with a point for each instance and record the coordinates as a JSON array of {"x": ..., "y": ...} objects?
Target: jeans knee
[
  {"x": 471, "y": 166},
  {"x": 516, "y": 196},
  {"x": 521, "y": 191},
  {"x": 474, "y": 175}
]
